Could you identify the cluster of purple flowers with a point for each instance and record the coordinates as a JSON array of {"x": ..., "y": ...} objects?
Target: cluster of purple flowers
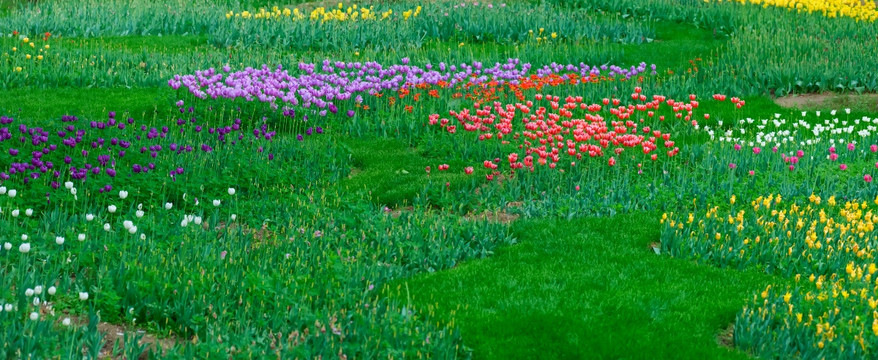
[
  {"x": 319, "y": 86},
  {"x": 101, "y": 148}
]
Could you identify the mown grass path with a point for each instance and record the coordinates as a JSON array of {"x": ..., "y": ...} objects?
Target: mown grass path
[{"x": 590, "y": 289}]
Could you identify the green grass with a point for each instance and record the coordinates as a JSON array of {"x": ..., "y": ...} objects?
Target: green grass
[
  {"x": 586, "y": 288},
  {"x": 590, "y": 289},
  {"x": 93, "y": 103},
  {"x": 675, "y": 45}
]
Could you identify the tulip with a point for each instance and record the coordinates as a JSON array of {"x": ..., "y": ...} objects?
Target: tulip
[
  {"x": 83, "y": 296},
  {"x": 24, "y": 248}
]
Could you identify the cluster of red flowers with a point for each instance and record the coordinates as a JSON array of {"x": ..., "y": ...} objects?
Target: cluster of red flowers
[{"x": 550, "y": 130}]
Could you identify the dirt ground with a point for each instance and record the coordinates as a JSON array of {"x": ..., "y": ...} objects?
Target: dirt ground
[{"x": 829, "y": 101}]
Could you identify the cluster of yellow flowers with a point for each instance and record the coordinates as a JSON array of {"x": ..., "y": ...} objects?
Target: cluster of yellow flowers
[
  {"x": 351, "y": 13},
  {"x": 542, "y": 37},
  {"x": 828, "y": 246},
  {"x": 861, "y": 10},
  {"x": 35, "y": 53}
]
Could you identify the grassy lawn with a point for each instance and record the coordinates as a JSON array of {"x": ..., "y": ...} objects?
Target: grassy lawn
[
  {"x": 382, "y": 228},
  {"x": 590, "y": 289}
]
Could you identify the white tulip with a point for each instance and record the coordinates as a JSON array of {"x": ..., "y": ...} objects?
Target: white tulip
[
  {"x": 216, "y": 203},
  {"x": 89, "y": 217},
  {"x": 234, "y": 217},
  {"x": 127, "y": 224},
  {"x": 123, "y": 194},
  {"x": 36, "y": 301},
  {"x": 184, "y": 223},
  {"x": 2, "y": 190},
  {"x": 107, "y": 227},
  {"x": 8, "y": 307},
  {"x": 59, "y": 240},
  {"x": 52, "y": 290},
  {"x": 65, "y": 322},
  {"x": 73, "y": 191},
  {"x": 29, "y": 292},
  {"x": 168, "y": 206},
  {"x": 132, "y": 230},
  {"x": 24, "y": 248},
  {"x": 111, "y": 209},
  {"x": 231, "y": 191},
  {"x": 34, "y": 316},
  {"x": 81, "y": 237},
  {"x": 139, "y": 213},
  {"x": 197, "y": 220},
  {"x": 7, "y": 246},
  {"x": 15, "y": 213},
  {"x": 12, "y": 193},
  {"x": 68, "y": 185},
  {"x": 29, "y": 212},
  {"x": 142, "y": 236},
  {"x": 83, "y": 296}
]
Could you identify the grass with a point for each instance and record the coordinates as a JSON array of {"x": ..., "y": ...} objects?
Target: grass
[
  {"x": 92, "y": 103},
  {"x": 589, "y": 288},
  {"x": 584, "y": 288}
]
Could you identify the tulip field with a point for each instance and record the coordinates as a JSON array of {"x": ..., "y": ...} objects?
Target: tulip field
[{"x": 562, "y": 179}]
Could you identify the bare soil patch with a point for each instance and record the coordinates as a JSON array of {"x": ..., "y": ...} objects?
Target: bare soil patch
[
  {"x": 828, "y": 101},
  {"x": 726, "y": 337}
]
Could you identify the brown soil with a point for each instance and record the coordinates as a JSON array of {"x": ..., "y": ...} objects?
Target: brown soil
[
  {"x": 115, "y": 333},
  {"x": 726, "y": 337},
  {"x": 498, "y": 216},
  {"x": 656, "y": 247},
  {"x": 829, "y": 101}
]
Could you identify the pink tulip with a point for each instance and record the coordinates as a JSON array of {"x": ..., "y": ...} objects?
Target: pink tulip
[
  {"x": 732, "y": 166},
  {"x": 792, "y": 167},
  {"x": 867, "y": 178},
  {"x": 843, "y": 167},
  {"x": 774, "y": 149},
  {"x": 833, "y": 156},
  {"x": 874, "y": 148},
  {"x": 800, "y": 153},
  {"x": 832, "y": 149},
  {"x": 752, "y": 173},
  {"x": 737, "y": 147},
  {"x": 757, "y": 150},
  {"x": 851, "y": 147}
]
